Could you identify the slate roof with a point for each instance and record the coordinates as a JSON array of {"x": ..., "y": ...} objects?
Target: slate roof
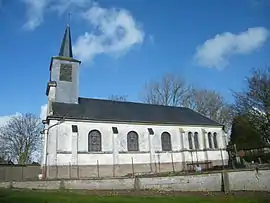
[
  {"x": 66, "y": 47},
  {"x": 119, "y": 111}
]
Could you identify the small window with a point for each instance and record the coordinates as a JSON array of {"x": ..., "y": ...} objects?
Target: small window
[
  {"x": 190, "y": 143},
  {"x": 215, "y": 141},
  {"x": 196, "y": 140},
  {"x": 150, "y": 131},
  {"x": 166, "y": 143},
  {"x": 94, "y": 141},
  {"x": 210, "y": 140},
  {"x": 66, "y": 72},
  {"x": 74, "y": 128},
  {"x": 132, "y": 141},
  {"x": 115, "y": 130}
]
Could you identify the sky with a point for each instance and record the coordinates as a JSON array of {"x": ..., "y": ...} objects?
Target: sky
[{"x": 124, "y": 44}]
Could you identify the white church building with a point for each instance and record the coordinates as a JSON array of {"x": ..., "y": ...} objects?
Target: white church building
[{"x": 87, "y": 137}]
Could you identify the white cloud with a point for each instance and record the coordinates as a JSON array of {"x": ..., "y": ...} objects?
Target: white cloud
[
  {"x": 5, "y": 119},
  {"x": 63, "y": 5},
  {"x": 43, "y": 112},
  {"x": 115, "y": 32},
  {"x": 36, "y": 9},
  {"x": 215, "y": 52}
]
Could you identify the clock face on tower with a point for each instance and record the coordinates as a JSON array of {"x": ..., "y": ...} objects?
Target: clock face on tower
[{"x": 66, "y": 72}]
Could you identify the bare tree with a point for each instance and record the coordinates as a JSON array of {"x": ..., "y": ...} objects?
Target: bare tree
[
  {"x": 210, "y": 104},
  {"x": 115, "y": 97},
  {"x": 21, "y": 137},
  {"x": 173, "y": 91},
  {"x": 170, "y": 90},
  {"x": 254, "y": 102}
]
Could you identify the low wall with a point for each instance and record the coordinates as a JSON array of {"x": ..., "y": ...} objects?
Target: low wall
[
  {"x": 203, "y": 182},
  {"x": 109, "y": 184},
  {"x": 19, "y": 172},
  {"x": 249, "y": 180},
  {"x": 221, "y": 181}
]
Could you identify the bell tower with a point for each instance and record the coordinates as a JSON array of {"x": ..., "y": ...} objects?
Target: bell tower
[{"x": 63, "y": 85}]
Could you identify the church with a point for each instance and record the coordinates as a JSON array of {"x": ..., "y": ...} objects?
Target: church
[{"x": 86, "y": 137}]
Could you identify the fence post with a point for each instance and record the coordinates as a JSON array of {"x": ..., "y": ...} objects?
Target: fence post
[
  {"x": 113, "y": 169},
  {"x": 172, "y": 162},
  {"x": 78, "y": 172},
  {"x": 5, "y": 174},
  {"x": 197, "y": 159},
  {"x": 69, "y": 170},
  {"x": 221, "y": 154},
  {"x": 56, "y": 171},
  {"x": 192, "y": 163},
  {"x": 132, "y": 166},
  {"x": 22, "y": 173},
  {"x": 98, "y": 168},
  {"x": 159, "y": 163}
]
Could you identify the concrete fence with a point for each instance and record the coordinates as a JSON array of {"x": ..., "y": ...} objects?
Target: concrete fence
[
  {"x": 19, "y": 172},
  {"x": 221, "y": 181}
]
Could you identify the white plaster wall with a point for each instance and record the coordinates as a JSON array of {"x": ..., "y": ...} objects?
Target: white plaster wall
[
  {"x": 66, "y": 92},
  {"x": 92, "y": 159},
  {"x": 138, "y": 158},
  {"x": 114, "y": 147}
]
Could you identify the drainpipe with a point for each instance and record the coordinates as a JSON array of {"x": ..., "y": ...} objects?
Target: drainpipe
[{"x": 47, "y": 134}]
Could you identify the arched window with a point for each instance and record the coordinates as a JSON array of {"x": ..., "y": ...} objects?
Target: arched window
[
  {"x": 196, "y": 140},
  {"x": 190, "y": 144},
  {"x": 166, "y": 143},
  {"x": 94, "y": 141},
  {"x": 210, "y": 140},
  {"x": 215, "y": 140},
  {"x": 132, "y": 141}
]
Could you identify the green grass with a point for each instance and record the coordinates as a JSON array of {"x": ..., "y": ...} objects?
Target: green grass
[{"x": 28, "y": 196}]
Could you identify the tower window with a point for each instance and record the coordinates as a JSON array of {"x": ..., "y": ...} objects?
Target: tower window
[{"x": 66, "y": 72}]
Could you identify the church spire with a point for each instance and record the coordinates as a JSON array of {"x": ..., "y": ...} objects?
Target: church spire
[{"x": 66, "y": 48}]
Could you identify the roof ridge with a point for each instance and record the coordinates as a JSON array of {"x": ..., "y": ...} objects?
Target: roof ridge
[{"x": 132, "y": 102}]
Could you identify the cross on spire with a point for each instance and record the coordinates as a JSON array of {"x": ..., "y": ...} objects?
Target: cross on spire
[{"x": 68, "y": 18}]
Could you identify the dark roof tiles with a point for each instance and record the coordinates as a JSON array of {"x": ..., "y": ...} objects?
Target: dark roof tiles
[{"x": 107, "y": 110}]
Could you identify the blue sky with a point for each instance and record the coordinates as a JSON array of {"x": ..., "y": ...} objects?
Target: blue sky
[{"x": 211, "y": 44}]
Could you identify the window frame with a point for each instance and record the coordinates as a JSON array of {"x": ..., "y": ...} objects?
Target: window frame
[
  {"x": 210, "y": 143},
  {"x": 166, "y": 142},
  {"x": 132, "y": 141},
  {"x": 215, "y": 142},
  {"x": 190, "y": 141},
  {"x": 92, "y": 147},
  {"x": 196, "y": 140}
]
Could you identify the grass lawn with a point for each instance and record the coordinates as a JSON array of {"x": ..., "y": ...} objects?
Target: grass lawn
[{"x": 28, "y": 196}]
